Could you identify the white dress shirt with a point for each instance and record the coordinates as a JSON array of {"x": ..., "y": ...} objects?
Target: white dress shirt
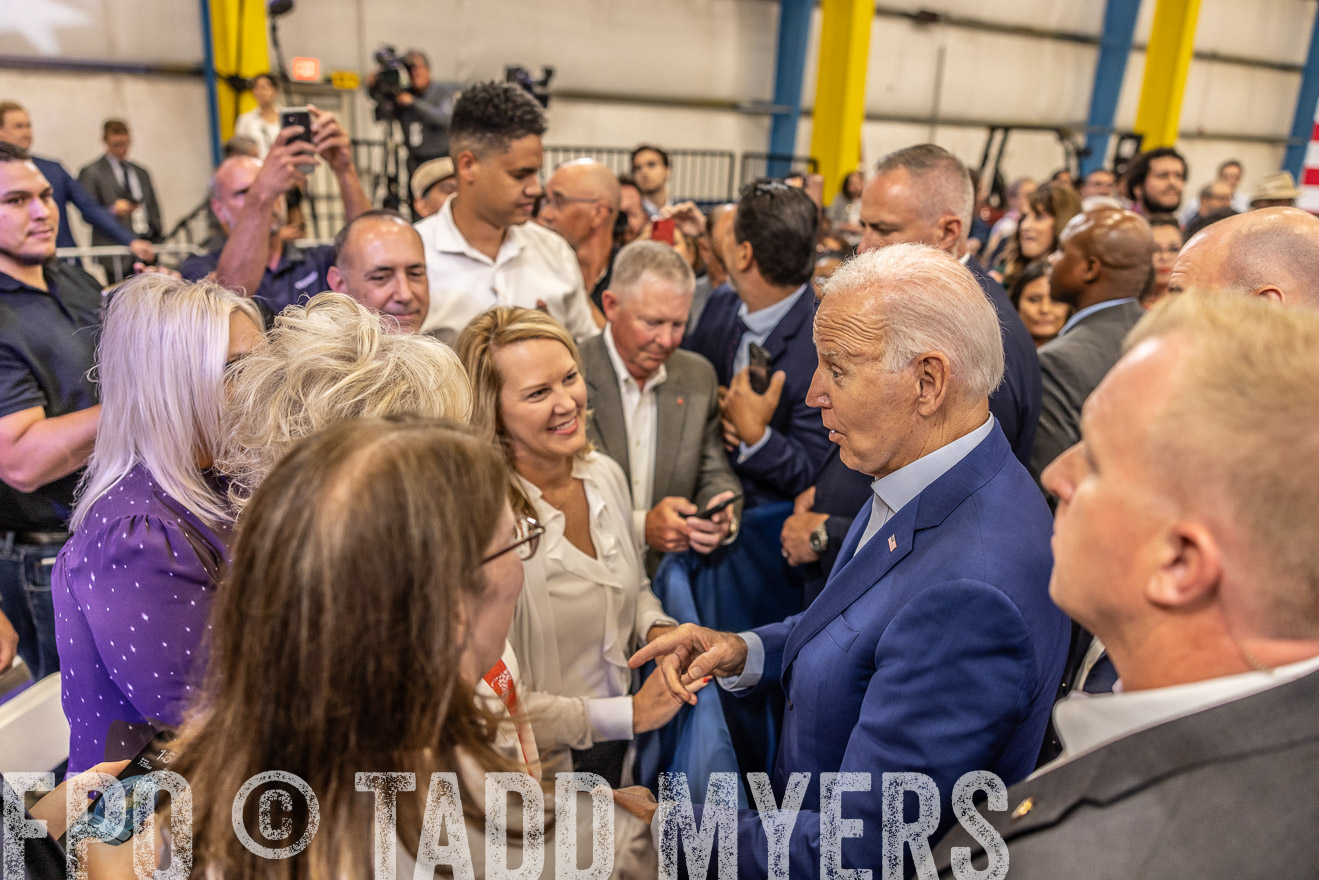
[
  {"x": 1087, "y": 721},
  {"x": 532, "y": 264},
  {"x": 641, "y": 419},
  {"x": 760, "y": 324},
  {"x": 584, "y": 617},
  {"x": 138, "y": 221},
  {"x": 891, "y": 494}
]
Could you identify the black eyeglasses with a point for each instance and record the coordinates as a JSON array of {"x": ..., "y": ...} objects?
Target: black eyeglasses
[{"x": 526, "y": 538}]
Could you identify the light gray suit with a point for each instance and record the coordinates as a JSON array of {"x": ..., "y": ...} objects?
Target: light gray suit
[
  {"x": 1072, "y": 366},
  {"x": 690, "y": 460},
  {"x": 1227, "y": 792}
]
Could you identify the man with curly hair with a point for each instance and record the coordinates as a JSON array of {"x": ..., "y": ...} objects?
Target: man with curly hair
[{"x": 480, "y": 250}]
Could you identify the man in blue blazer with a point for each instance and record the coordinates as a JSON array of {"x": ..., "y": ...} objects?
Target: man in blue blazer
[
  {"x": 934, "y": 647},
  {"x": 922, "y": 195},
  {"x": 775, "y": 441}
]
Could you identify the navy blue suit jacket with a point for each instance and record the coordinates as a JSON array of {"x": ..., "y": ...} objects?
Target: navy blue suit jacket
[
  {"x": 935, "y": 649},
  {"x": 788, "y": 462},
  {"x": 1016, "y": 403},
  {"x": 66, "y": 189}
]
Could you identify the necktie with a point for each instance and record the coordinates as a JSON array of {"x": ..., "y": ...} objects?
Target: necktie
[
  {"x": 739, "y": 330},
  {"x": 124, "y": 181}
]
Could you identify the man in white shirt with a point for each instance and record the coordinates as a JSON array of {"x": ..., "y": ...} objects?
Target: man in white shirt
[
  {"x": 480, "y": 250},
  {"x": 1184, "y": 541},
  {"x": 655, "y": 409}
]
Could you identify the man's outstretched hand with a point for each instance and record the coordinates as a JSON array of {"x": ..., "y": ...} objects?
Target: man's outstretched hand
[{"x": 693, "y": 652}]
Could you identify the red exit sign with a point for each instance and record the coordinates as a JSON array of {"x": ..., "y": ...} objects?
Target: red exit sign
[{"x": 307, "y": 69}]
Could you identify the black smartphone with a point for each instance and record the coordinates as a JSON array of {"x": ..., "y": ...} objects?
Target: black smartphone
[
  {"x": 759, "y": 368},
  {"x": 712, "y": 509},
  {"x": 297, "y": 116},
  {"x": 156, "y": 756}
]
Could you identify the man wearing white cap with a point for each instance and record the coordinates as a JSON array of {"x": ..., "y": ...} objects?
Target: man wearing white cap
[{"x": 432, "y": 184}]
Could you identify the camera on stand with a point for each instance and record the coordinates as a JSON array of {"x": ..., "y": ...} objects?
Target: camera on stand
[
  {"x": 537, "y": 88},
  {"x": 392, "y": 77}
]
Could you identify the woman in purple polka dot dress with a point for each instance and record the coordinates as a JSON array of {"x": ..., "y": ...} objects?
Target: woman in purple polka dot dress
[{"x": 133, "y": 586}]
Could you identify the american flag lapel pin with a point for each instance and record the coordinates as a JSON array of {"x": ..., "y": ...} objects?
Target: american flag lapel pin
[{"x": 892, "y": 543}]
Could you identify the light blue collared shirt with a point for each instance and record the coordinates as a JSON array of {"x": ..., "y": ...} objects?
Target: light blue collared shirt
[
  {"x": 760, "y": 325},
  {"x": 891, "y": 493},
  {"x": 1090, "y": 310}
]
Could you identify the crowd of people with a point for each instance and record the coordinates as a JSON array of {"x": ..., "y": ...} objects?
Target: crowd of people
[{"x": 395, "y": 503}]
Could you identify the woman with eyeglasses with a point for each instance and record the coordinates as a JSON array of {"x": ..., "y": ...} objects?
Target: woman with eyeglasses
[
  {"x": 587, "y": 604},
  {"x": 374, "y": 578},
  {"x": 151, "y": 526},
  {"x": 332, "y": 360}
]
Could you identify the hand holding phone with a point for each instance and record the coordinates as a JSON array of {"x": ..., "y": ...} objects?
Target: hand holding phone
[
  {"x": 713, "y": 508},
  {"x": 301, "y": 117}
]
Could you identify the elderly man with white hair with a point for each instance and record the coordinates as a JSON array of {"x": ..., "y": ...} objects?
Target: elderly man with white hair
[{"x": 934, "y": 647}]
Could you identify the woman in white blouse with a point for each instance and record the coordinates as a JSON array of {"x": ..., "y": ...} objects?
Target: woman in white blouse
[
  {"x": 261, "y": 123},
  {"x": 587, "y": 605}
]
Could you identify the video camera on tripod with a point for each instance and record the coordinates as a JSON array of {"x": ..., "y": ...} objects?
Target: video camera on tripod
[{"x": 393, "y": 76}]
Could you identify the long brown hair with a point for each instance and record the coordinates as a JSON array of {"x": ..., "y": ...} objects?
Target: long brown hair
[
  {"x": 1060, "y": 202},
  {"x": 337, "y": 637}
]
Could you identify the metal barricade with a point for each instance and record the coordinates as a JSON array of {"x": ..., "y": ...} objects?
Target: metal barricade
[
  {"x": 757, "y": 165},
  {"x": 99, "y": 261}
]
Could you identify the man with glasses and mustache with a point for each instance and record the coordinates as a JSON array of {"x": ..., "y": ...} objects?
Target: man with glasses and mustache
[{"x": 49, "y": 409}]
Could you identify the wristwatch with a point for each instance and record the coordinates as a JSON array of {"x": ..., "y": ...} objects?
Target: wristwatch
[{"x": 820, "y": 538}]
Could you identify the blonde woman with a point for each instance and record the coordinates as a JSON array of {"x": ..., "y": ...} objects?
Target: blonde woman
[
  {"x": 151, "y": 527},
  {"x": 587, "y": 604},
  {"x": 323, "y": 362}
]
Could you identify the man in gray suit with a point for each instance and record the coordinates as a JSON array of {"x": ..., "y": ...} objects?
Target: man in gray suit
[
  {"x": 125, "y": 189},
  {"x": 1183, "y": 541},
  {"x": 655, "y": 409},
  {"x": 1103, "y": 261}
]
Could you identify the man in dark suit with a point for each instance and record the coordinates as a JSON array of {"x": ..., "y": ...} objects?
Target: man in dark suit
[
  {"x": 1102, "y": 264},
  {"x": 125, "y": 188},
  {"x": 16, "y": 129},
  {"x": 919, "y": 195},
  {"x": 655, "y": 409},
  {"x": 934, "y": 647},
  {"x": 1179, "y": 545},
  {"x": 775, "y": 440}
]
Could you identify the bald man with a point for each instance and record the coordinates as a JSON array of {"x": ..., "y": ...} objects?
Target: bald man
[
  {"x": 1269, "y": 252},
  {"x": 380, "y": 261},
  {"x": 581, "y": 204},
  {"x": 247, "y": 196},
  {"x": 1103, "y": 261}
]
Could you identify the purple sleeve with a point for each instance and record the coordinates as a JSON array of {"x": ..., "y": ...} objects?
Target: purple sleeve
[{"x": 146, "y": 592}]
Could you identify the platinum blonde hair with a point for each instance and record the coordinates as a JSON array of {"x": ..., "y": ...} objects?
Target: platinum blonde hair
[
  {"x": 921, "y": 299},
  {"x": 330, "y": 360},
  {"x": 1238, "y": 440},
  {"x": 160, "y": 367}
]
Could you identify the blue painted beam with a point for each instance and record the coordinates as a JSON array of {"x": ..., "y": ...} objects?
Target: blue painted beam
[
  {"x": 212, "y": 81},
  {"x": 789, "y": 70},
  {"x": 1110, "y": 69},
  {"x": 1303, "y": 120}
]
